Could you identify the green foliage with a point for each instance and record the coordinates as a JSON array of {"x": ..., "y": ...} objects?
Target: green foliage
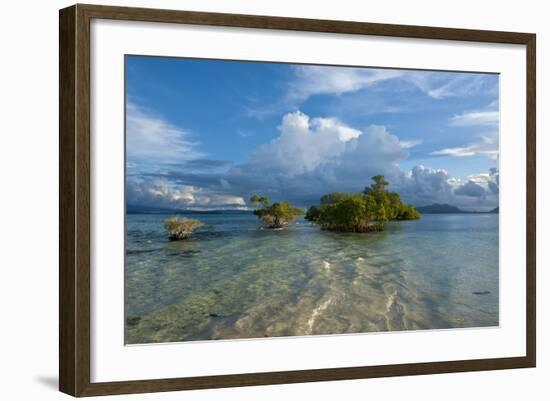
[
  {"x": 378, "y": 188},
  {"x": 180, "y": 227},
  {"x": 333, "y": 197},
  {"x": 313, "y": 213},
  {"x": 279, "y": 214},
  {"x": 409, "y": 213},
  {"x": 349, "y": 213},
  {"x": 367, "y": 211},
  {"x": 257, "y": 199}
]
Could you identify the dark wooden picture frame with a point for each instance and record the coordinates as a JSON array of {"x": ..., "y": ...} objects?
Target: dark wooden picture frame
[{"x": 74, "y": 199}]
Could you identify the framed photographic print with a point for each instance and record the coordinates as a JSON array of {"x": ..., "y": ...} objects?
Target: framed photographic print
[{"x": 250, "y": 200}]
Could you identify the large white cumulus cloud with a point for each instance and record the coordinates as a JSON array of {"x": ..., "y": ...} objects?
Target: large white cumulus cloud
[{"x": 314, "y": 156}]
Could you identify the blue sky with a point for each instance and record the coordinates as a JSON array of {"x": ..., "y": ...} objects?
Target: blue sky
[{"x": 206, "y": 134}]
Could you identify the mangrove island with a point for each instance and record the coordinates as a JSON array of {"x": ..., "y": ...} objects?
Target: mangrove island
[{"x": 361, "y": 212}]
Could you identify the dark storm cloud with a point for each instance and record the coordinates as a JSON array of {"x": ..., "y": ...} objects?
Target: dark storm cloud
[{"x": 471, "y": 189}]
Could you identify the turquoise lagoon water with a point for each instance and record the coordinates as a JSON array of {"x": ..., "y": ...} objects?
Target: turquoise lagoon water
[{"x": 233, "y": 279}]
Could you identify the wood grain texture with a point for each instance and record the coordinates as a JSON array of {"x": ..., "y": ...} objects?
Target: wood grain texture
[
  {"x": 74, "y": 199},
  {"x": 300, "y": 376},
  {"x": 67, "y": 131},
  {"x": 531, "y": 229},
  {"x": 82, "y": 193},
  {"x": 301, "y": 24}
]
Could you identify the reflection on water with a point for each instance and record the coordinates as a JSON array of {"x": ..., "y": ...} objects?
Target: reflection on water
[{"x": 232, "y": 279}]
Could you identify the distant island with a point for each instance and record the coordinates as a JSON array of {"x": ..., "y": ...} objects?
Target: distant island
[
  {"x": 444, "y": 208},
  {"x": 361, "y": 212}
]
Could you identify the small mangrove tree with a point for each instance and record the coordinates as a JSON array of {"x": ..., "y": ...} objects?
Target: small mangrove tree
[
  {"x": 276, "y": 215},
  {"x": 180, "y": 228},
  {"x": 361, "y": 212}
]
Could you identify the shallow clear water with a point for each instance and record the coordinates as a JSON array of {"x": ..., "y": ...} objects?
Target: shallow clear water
[{"x": 233, "y": 279}]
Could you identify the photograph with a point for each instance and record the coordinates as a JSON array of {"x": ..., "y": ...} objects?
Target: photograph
[{"x": 270, "y": 199}]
